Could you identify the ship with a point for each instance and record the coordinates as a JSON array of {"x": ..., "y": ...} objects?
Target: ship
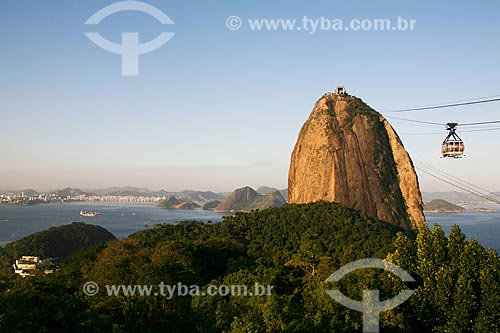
[{"x": 89, "y": 214}]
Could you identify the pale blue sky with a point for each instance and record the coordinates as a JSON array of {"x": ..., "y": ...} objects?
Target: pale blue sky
[{"x": 218, "y": 109}]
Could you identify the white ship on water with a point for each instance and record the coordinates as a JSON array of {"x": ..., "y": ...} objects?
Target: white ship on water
[{"x": 89, "y": 214}]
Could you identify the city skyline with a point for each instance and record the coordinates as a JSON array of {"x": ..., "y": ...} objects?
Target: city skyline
[{"x": 217, "y": 109}]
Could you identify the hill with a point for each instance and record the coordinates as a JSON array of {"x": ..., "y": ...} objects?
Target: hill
[
  {"x": 442, "y": 206},
  {"x": 200, "y": 197},
  {"x": 59, "y": 242},
  {"x": 68, "y": 191},
  {"x": 455, "y": 197},
  {"x": 346, "y": 152},
  {"x": 173, "y": 203},
  {"x": 30, "y": 192},
  {"x": 246, "y": 199},
  {"x": 211, "y": 205},
  {"x": 273, "y": 199},
  {"x": 201, "y": 252},
  {"x": 123, "y": 190},
  {"x": 266, "y": 190}
]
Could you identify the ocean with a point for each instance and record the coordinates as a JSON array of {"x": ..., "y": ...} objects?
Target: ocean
[
  {"x": 485, "y": 227},
  {"x": 122, "y": 219}
]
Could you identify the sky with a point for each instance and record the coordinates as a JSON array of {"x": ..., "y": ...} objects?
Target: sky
[{"x": 217, "y": 109}]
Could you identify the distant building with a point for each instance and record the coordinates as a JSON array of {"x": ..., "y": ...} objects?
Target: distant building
[
  {"x": 27, "y": 266},
  {"x": 340, "y": 90}
]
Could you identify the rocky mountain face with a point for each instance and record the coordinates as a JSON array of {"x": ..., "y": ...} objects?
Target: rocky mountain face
[
  {"x": 348, "y": 153},
  {"x": 247, "y": 199}
]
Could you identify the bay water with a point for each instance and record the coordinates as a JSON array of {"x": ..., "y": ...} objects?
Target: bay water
[{"x": 124, "y": 219}]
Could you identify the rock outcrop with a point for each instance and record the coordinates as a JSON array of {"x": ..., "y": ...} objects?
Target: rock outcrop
[{"x": 348, "y": 153}]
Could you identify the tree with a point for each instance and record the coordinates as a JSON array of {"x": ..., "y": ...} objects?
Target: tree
[{"x": 458, "y": 282}]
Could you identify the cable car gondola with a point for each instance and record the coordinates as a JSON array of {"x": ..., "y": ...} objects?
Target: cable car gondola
[{"x": 453, "y": 146}]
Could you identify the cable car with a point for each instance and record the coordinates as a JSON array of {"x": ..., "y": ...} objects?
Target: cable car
[{"x": 453, "y": 146}]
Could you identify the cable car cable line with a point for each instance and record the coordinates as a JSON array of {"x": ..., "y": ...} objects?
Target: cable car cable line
[
  {"x": 463, "y": 100},
  {"x": 441, "y": 133},
  {"x": 433, "y": 133},
  {"x": 441, "y": 124},
  {"x": 442, "y": 106},
  {"x": 481, "y": 123},
  {"x": 452, "y": 146},
  {"x": 470, "y": 99},
  {"x": 461, "y": 182},
  {"x": 483, "y": 130},
  {"x": 416, "y": 121},
  {"x": 453, "y": 102},
  {"x": 458, "y": 186}
]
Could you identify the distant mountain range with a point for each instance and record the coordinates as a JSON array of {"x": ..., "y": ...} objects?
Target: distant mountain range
[
  {"x": 198, "y": 197},
  {"x": 69, "y": 192},
  {"x": 203, "y": 197},
  {"x": 243, "y": 199},
  {"x": 187, "y": 195}
]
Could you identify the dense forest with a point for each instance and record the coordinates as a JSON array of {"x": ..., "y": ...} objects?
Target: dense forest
[{"x": 293, "y": 248}]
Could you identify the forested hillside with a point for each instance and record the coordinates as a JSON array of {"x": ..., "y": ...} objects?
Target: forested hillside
[{"x": 58, "y": 242}]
